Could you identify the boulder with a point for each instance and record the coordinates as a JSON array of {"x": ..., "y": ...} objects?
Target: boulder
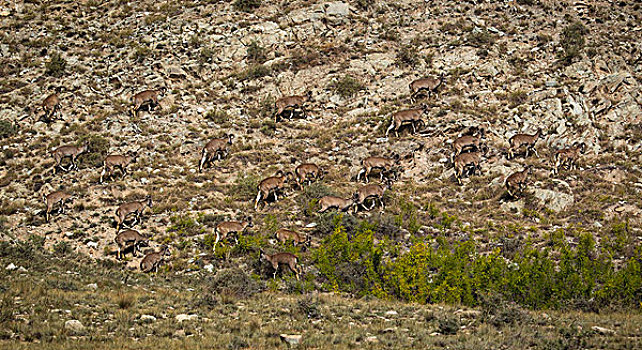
[{"x": 555, "y": 201}]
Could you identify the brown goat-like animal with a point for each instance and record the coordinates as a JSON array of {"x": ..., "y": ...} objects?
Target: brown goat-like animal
[
  {"x": 567, "y": 157},
  {"x": 291, "y": 103},
  {"x": 50, "y": 106},
  {"x": 383, "y": 164},
  {"x": 283, "y": 235},
  {"x": 215, "y": 148},
  {"x": 272, "y": 185},
  {"x": 152, "y": 261},
  {"x": 330, "y": 202},
  {"x": 280, "y": 259},
  {"x": 129, "y": 239},
  {"x": 467, "y": 143},
  {"x": 225, "y": 228},
  {"x": 429, "y": 85},
  {"x": 371, "y": 191},
  {"x": 114, "y": 161},
  {"x": 464, "y": 161},
  {"x": 146, "y": 97},
  {"x": 519, "y": 140},
  {"x": 73, "y": 152},
  {"x": 54, "y": 198},
  {"x": 407, "y": 116},
  {"x": 308, "y": 172},
  {"x": 517, "y": 181},
  {"x": 136, "y": 208}
]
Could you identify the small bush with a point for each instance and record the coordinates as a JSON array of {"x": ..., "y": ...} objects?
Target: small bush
[
  {"x": 309, "y": 306},
  {"x": 55, "y": 67},
  {"x": 448, "y": 325},
  {"x": 218, "y": 116},
  {"x": 62, "y": 248},
  {"x": 125, "y": 300},
  {"x": 98, "y": 149},
  {"x": 480, "y": 38},
  {"x": 247, "y": 5},
  {"x": 256, "y": 53},
  {"x": 184, "y": 226},
  {"x": 346, "y": 86},
  {"x": 234, "y": 282},
  {"x": 244, "y": 187},
  {"x": 254, "y": 71},
  {"x": 141, "y": 53},
  {"x": 407, "y": 57},
  {"x": 572, "y": 42},
  {"x": 7, "y": 129}
]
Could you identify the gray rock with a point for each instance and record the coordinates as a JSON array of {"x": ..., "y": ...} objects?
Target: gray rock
[
  {"x": 74, "y": 326},
  {"x": 602, "y": 330},
  {"x": 556, "y": 201},
  {"x": 292, "y": 339},
  {"x": 147, "y": 318},
  {"x": 11, "y": 267},
  {"x": 185, "y": 317},
  {"x": 337, "y": 8}
]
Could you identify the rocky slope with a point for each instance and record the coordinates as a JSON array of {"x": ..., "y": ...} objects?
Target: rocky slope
[{"x": 568, "y": 67}]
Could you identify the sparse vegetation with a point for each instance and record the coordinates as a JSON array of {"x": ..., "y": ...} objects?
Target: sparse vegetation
[
  {"x": 347, "y": 86},
  {"x": 7, "y": 129},
  {"x": 247, "y": 5},
  {"x": 572, "y": 42},
  {"x": 56, "y": 65},
  {"x": 445, "y": 265}
]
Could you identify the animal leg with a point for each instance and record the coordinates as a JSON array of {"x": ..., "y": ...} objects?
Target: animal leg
[
  {"x": 258, "y": 198},
  {"x": 392, "y": 125}
]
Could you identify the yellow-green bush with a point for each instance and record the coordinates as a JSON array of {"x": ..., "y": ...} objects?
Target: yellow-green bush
[{"x": 579, "y": 277}]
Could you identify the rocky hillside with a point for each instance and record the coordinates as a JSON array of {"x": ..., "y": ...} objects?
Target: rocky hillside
[{"x": 569, "y": 68}]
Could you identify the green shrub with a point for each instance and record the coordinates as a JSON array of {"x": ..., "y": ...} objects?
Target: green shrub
[
  {"x": 184, "y": 225},
  {"x": 572, "y": 42},
  {"x": 245, "y": 187},
  {"x": 98, "y": 150},
  {"x": 254, "y": 71},
  {"x": 448, "y": 325},
  {"x": 62, "y": 248},
  {"x": 256, "y": 53},
  {"x": 247, "y": 5},
  {"x": 7, "y": 129},
  {"x": 351, "y": 265},
  {"x": 233, "y": 282},
  {"x": 346, "y": 86},
  {"x": 480, "y": 38},
  {"x": 141, "y": 53},
  {"x": 56, "y": 65},
  {"x": 456, "y": 273},
  {"x": 407, "y": 56}
]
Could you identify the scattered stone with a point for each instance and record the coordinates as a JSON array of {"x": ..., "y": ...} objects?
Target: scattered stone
[
  {"x": 93, "y": 286},
  {"x": 208, "y": 268},
  {"x": 184, "y": 317},
  {"x": 339, "y": 9},
  {"x": 291, "y": 339},
  {"x": 74, "y": 326},
  {"x": 555, "y": 201},
  {"x": 372, "y": 339},
  {"x": 391, "y": 313},
  {"x": 147, "y": 318},
  {"x": 11, "y": 267},
  {"x": 602, "y": 330}
]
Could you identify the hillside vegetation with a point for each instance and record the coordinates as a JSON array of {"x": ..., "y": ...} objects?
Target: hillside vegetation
[{"x": 556, "y": 265}]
